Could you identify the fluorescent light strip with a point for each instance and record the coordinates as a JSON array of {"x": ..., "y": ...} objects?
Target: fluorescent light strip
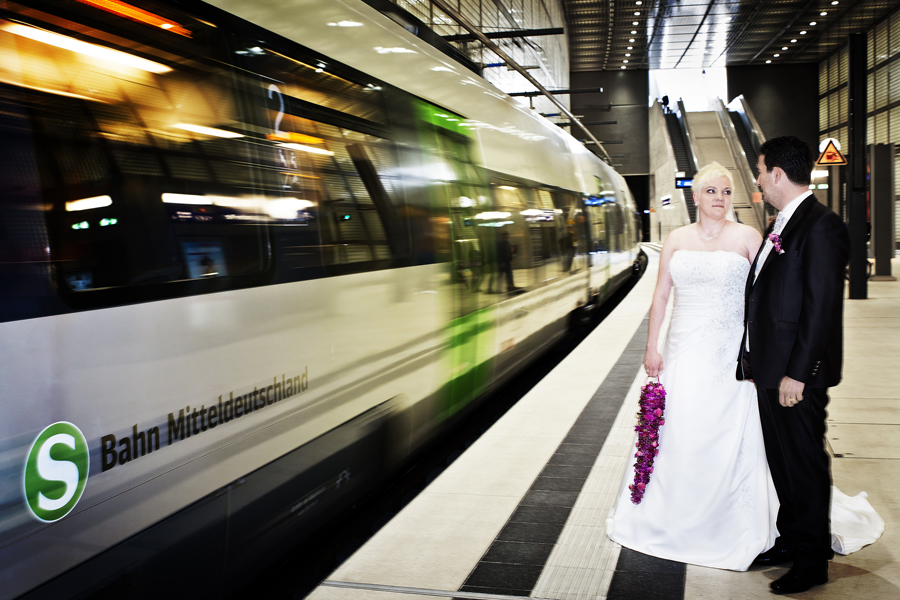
[
  {"x": 93, "y": 50},
  {"x": 188, "y": 199},
  {"x": 269, "y": 204},
  {"x": 492, "y": 215},
  {"x": 88, "y": 203},
  {"x": 309, "y": 149},
  {"x": 207, "y": 130}
]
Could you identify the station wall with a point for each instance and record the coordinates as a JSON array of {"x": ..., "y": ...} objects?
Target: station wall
[
  {"x": 784, "y": 98},
  {"x": 883, "y": 94},
  {"x": 623, "y": 100}
]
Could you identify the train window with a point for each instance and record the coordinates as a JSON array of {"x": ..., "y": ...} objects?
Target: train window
[
  {"x": 315, "y": 81},
  {"x": 142, "y": 162},
  {"x": 545, "y": 222},
  {"x": 515, "y": 238},
  {"x": 599, "y": 222},
  {"x": 572, "y": 239},
  {"x": 351, "y": 181},
  {"x": 337, "y": 161}
]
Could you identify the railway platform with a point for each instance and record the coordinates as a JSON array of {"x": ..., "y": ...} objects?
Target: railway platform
[{"x": 522, "y": 512}]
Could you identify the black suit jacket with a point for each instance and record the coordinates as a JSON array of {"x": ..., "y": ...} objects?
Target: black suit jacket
[{"x": 793, "y": 313}]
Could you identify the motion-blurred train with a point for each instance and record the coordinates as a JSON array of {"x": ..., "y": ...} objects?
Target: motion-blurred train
[{"x": 253, "y": 255}]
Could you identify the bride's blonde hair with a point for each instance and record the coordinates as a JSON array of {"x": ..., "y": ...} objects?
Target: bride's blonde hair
[{"x": 711, "y": 171}]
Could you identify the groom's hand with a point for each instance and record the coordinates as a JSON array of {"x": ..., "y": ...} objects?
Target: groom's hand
[{"x": 790, "y": 392}]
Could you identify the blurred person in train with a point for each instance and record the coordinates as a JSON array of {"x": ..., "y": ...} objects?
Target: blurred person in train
[
  {"x": 505, "y": 253},
  {"x": 792, "y": 351},
  {"x": 710, "y": 500}
]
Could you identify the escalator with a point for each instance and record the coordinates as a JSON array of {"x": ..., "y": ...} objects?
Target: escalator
[
  {"x": 731, "y": 137},
  {"x": 684, "y": 155},
  {"x": 749, "y": 135},
  {"x": 744, "y": 139}
]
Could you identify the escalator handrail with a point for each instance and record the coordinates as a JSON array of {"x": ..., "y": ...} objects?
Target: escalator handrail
[
  {"x": 742, "y": 166},
  {"x": 742, "y": 108},
  {"x": 686, "y": 132}
]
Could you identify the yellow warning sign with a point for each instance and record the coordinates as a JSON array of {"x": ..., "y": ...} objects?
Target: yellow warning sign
[{"x": 831, "y": 156}]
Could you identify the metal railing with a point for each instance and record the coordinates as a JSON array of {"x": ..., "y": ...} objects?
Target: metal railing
[{"x": 748, "y": 181}]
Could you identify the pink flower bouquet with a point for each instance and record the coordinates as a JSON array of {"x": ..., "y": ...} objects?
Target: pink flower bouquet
[{"x": 650, "y": 417}]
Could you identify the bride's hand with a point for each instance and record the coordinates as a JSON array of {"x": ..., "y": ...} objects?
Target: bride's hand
[{"x": 653, "y": 363}]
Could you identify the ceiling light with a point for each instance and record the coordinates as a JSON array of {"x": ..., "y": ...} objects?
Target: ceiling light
[
  {"x": 768, "y": 61},
  {"x": 638, "y": 2},
  {"x": 634, "y": 33},
  {"x": 93, "y": 50},
  {"x": 207, "y": 130},
  {"x": 776, "y": 55},
  {"x": 623, "y": 67},
  {"x": 626, "y": 54},
  {"x": 303, "y": 148},
  {"x": 794, "y": 41},
  {"x": 631, "y": 40},
  {"x": 630, "y": 48},
  {"x": 835, "y": 3},
  {"x": 802, "y": 33},
  {"x": 624, "y": 61},
  {"x": 121, "y": 9},
  {"x": 823, "y": 13},
  {"x": 784, "y": 48},
  {"x": 637, "y": 13},
  {"x": 88, "y": 203},
  {"x": 635, "y": 23},
  {"x": 812, "y": 23}
]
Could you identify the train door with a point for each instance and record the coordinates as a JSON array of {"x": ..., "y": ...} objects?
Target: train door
[
  {"x": 599, "y": 246},
  {"x": 460, "y": 198}
]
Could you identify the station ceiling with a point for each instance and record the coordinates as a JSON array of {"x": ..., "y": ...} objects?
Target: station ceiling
[{"x": 667, "y": 34}]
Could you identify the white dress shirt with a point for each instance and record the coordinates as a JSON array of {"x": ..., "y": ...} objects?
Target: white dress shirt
[{"x": 780, "y": 221}]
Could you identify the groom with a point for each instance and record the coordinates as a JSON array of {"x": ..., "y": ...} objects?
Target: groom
[{"x": 792, "y": 351}]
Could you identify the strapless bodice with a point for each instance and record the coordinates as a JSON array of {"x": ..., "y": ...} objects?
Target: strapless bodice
[{"x": 709, "y": 287}]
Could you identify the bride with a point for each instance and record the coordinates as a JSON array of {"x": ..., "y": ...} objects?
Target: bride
[{"x": 711, "y": 500}]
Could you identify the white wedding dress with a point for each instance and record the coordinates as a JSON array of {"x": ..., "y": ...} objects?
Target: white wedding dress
[{"x": 710, "y": 500}]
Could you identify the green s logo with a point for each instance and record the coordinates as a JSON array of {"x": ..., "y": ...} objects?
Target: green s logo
[{"x": 56, "y": 471}]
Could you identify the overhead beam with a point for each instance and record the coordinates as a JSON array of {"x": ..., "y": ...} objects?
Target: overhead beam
[
  {"x": 518, "y": 33},
  {"x": 557, "y": 92},
  {"x": 467, "y": 25},
  {"x": 567, "y": 123}
]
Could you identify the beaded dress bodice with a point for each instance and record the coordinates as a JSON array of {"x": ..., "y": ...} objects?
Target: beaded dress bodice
[{"x": 709, "y": 287}]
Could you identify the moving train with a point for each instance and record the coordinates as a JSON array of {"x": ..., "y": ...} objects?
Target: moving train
[{"x": 253, "y": 255}]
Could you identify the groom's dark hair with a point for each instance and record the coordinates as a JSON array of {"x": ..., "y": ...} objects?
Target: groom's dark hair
[{"x": 791, "y": 154}]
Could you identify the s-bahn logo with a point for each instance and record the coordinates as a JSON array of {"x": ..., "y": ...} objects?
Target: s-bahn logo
[{"x": 56, "y": 471}]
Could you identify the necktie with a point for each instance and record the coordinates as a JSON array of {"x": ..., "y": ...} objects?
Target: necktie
[{"x": 779, "y": 223}]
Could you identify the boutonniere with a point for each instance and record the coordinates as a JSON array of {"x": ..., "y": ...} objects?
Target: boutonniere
[{"x": 776, "y": 241}]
